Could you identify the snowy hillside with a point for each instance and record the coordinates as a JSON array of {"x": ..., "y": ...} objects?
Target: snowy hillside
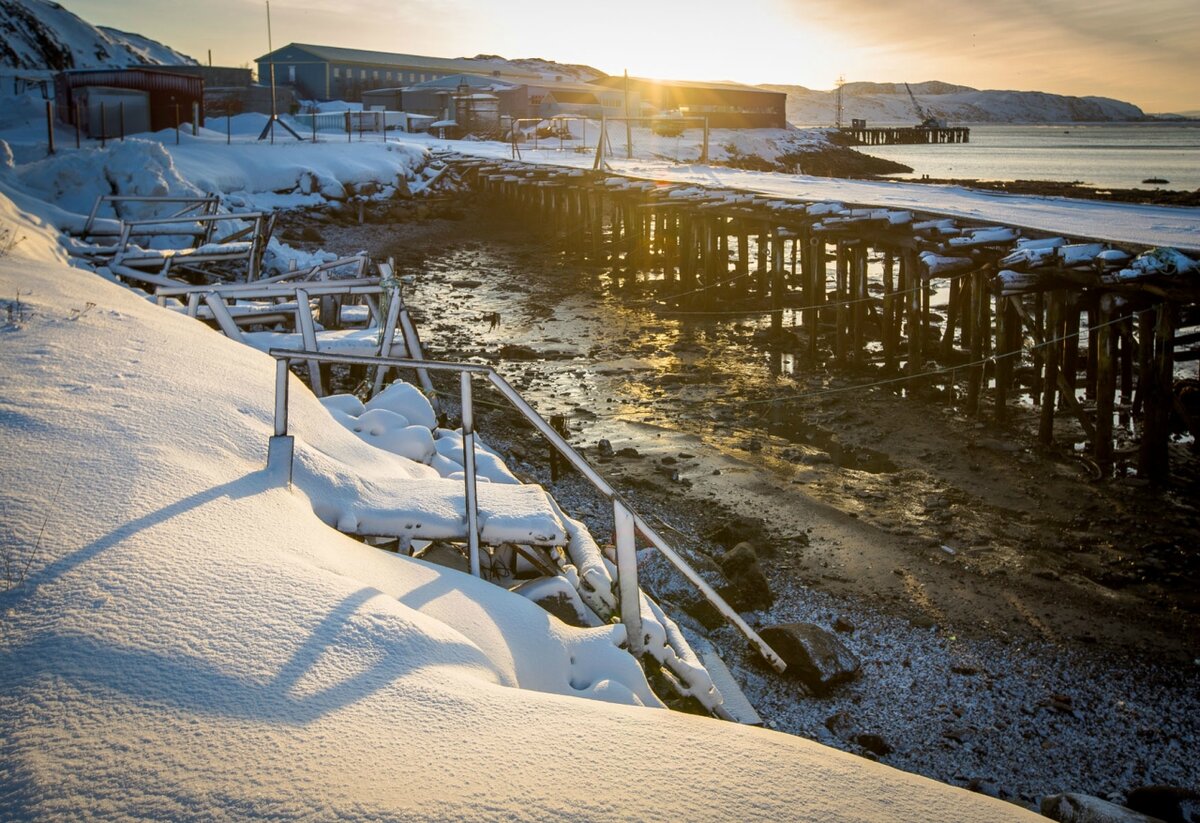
[
  {"x": 548, "y": 69},
  {"x": 41, "y": 35},
  {"x": 889, "y": 104}
]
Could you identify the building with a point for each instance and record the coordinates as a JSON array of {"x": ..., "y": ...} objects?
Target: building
[
  {"x": 112, "y": 102},
  {"x": 726, "y": 105},
  {"x": 581, "y": 100},
  {"x": 330, "y": 73}
]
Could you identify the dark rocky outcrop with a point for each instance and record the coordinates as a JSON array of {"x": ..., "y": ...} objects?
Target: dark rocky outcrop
[{"x": 814, "y": 656}]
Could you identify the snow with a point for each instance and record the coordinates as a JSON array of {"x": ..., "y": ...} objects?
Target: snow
[
  {"x": 1138, "y": 224},
  {"x": 192, "y": 642},
  {"x": 889, "y": 104},
  {"x": 183, "y": 638},
  {"x": 39, "y": 34}
]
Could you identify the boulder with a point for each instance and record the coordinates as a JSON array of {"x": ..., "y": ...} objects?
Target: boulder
[
  {"x": 1170, "y": 803},
  {"x": 814, "y": 656},
  {"x": 738, "y": 530},
  {"x": 1082, "y": 808},
  {"x": 747, "y": 589}
]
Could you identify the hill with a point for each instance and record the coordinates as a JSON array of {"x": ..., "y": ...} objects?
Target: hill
[
  {"x": 548, "y": 69},
  {"x": 39, "y": 35},
  {"x": 889, "y": 104}
]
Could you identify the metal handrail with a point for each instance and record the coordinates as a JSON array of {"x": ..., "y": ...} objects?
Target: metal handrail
[{"x": 626, "y": 520}]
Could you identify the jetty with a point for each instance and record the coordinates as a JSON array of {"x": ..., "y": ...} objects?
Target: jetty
[
  {"x": 905, "y": 136},
  {"x": 1088, "y": 333}
]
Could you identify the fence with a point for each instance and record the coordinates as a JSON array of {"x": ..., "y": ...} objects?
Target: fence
[{"x": 626, "y": 522}]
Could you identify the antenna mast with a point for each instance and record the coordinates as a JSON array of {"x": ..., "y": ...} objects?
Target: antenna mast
[{"x": 841, "y": 81}]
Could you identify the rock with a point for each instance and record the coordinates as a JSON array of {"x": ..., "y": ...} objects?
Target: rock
[
  {"x": 705, "y": 613},
  {"x": 604, "y": 448},
  {"x": 516, "y": 351},
  {"x": 923, "y": 621},
  {"x": 628, "y": 451},
  {"x": 814, "y": 656},
  {"x": 747, "y": 589},
  {"x": 843, "y": 625},
  {"x": 1082, "y": 808},
  {"x": 1169, "y": 803},
  {"x": 840, "y": 724},
  {"x": 739, "y": 530},
  {"x": 873, "y": 743}
]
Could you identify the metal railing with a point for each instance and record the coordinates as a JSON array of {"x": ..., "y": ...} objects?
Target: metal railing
[{"x": 627, "y": 523}]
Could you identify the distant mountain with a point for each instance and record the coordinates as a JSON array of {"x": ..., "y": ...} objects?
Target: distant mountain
[
  {"x": 548, "y": 69},
  {"x": 42, "y": 35},
  {"x": 889, "y": 104}
]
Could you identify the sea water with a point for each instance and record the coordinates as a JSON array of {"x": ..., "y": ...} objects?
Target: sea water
[{"x": 1105, "y": 155}]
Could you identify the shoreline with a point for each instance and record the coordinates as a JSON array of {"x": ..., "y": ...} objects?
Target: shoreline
[{"x": 867, "y": 546}]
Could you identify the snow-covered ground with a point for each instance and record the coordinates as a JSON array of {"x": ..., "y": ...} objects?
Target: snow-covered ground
[
  {"x": 182, "y": 638},
  {"x": 1130, "y": 223}
]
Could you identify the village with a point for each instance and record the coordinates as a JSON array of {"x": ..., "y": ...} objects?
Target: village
[{"x": 508, "y": 397}]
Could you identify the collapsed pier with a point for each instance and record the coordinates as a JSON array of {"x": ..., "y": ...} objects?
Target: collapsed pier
[
  {"x": 1088, "y": 334},
  {"x": 906, "y": 136}
]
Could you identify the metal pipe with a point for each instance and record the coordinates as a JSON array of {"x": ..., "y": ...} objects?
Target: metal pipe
[
  {"x": 573, "y": 457},
  {"x": 374, "y": 360},
  {"x": 472, "y": 501},
  {"x": 281, "y": 398},
  {"x": 732, "y": 616},
  {"x": 627, "y": 578}
]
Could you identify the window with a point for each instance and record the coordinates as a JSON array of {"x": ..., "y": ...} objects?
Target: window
[
  {"x": 337, "y": 71},
  {"x": 374, "y": 74},
  {"x": 291, "y": 74},
  {"x": 362, "y": 74}
]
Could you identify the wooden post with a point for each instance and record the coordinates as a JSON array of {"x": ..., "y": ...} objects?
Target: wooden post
[
  {"x": 817, "y": 294},
  {"x": 1050, "y": 381},
  {"x": 953, "y": 309},
  {"x": 1106, "y": 339},
  {"x": 842, "y": 310},
  {"x": 887, "y": 320},
  {"x": 915, "y": 285},
  {"x": 1070, "y": 362},
  {"x": 777, "y": 284},
  {"x": 50, "y": 126},
  {"x": 980, "y": 324},
  {"x": 1153, "y": 458},
  {"x": 1007, "y": 345},
  {"x": 858, "y": 312}
]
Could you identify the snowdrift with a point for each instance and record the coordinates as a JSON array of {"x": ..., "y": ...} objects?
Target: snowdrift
[{"x": 183, "y": 640}]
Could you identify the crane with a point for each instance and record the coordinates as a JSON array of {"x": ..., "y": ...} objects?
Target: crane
[{"x": 928, "y": 121}]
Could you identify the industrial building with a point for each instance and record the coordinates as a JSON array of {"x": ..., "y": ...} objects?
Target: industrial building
[
  {"x": 329, "y": 73},
  {"x": 111, "y": 102},
  {"x": 726, "y": 105}
]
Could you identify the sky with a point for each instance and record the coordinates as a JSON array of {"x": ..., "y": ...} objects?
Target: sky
[{"x": 1142, "y": 52}]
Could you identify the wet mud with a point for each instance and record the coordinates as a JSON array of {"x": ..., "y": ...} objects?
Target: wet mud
[{"x": 1024, "y": 628}]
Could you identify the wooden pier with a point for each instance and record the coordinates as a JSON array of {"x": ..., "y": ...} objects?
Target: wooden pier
[
  {"x": 1078, "y": 327},
  {"x": 906, "y": 136}
]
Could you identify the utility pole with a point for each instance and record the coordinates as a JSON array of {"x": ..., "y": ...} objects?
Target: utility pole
[
  {"x": 270, "y": 51},
  {"x": 841, "y": 81},
  {"x": 628, "y": 125}
]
